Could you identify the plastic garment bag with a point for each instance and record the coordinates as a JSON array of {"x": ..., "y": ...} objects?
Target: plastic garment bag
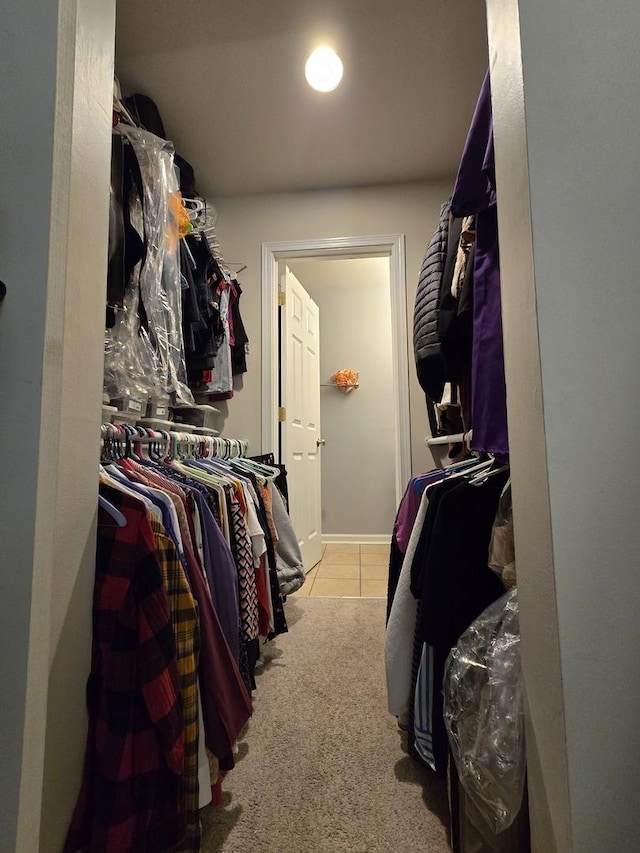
[
  {"x": 159, "y": 277},
  {"x": 483, "y": 712},
  {"x": 502, "y": 553}
]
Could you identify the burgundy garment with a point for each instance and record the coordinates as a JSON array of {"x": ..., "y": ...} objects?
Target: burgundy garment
[
  {"x": 226, "y": 705},
  {"x": 475, "y": 192},
  {"x": 232, "y": 297}
]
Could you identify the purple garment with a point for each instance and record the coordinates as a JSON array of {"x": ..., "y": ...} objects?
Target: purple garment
[
  {"x": 475, "y": 192},
  {"x": 222, "y": 575},
  {"x": 226, "y": 704},
  {"x": 406, "y": 517}
]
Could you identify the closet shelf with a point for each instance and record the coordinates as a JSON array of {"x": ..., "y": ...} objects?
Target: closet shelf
[
  {"x": 175, "y": 426},
  {"x": 113, "y": 414},
  {"x": 205, "y": 431}
]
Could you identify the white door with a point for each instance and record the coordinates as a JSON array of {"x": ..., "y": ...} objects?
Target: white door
[{"x": 300, "y": 398}]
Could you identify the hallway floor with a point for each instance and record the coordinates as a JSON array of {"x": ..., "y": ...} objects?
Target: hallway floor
[{"x": 349, "y": 571}]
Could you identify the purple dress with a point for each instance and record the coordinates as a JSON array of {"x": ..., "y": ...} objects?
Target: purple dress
[{"x": 475, "y": 192}]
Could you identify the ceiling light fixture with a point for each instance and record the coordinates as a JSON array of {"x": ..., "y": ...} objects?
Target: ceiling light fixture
[{"x": 323, "y": 69}]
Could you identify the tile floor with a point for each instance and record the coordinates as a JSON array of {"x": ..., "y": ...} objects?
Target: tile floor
[{"x": 349, "y": 571}]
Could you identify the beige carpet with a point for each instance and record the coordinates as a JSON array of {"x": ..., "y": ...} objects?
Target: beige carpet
[{"x": 322, "y": 767}]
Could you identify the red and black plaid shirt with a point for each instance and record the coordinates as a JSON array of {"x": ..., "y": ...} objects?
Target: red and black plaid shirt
[{"x": 131, "y": 793}]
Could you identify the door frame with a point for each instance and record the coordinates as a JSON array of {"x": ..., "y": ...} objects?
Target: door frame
[{"x": 391, "y": 246}]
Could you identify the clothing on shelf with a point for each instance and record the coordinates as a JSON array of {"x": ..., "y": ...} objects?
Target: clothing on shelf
[
  {"x": 186, "y": 584},
  {"x": 475, "y": 193},
  {"x": 173, "y": 326},
  {"x": 457, "y": 315}
]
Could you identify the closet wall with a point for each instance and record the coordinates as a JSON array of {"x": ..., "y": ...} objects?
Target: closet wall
[
  {"x": 54, "y": 192},
  {"x": 244, "y": 223},
  {"x": 566, "y": 142}
]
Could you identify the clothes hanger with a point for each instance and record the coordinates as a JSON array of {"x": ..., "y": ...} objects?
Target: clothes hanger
[
  {"x": 116, "y": 442},
  {"x": 112, "y": 476},
  {"x": 482, "y": 477},
  {"x": 241, "y": 267},
  {"x": 268, "y": 471},
  {"x": 480, "y": 466},
  {"x": 194, "y": 207},
  {"x": 156, "y": 450},
  {"x": 130, "y": 433},
  {"x": 141, "y": 447},
  {"x": 225, "y": 469},
  {"x": 117, "y": 516},
  {"x": 438, "y": 475},
  {"x": 204, "y": 472}
]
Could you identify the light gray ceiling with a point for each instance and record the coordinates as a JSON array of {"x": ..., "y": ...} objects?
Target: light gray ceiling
[{"x": 228, "y": 77}]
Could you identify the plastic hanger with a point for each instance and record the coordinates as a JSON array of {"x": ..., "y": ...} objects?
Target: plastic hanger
[
  {"x": 194, "y": 206},
  {"x": 481, "y": 466},
  {"x": 117, "y": 516},
  {"x": 482, "y": 476},
  {"x": 248, "y": 465},
  {"x": 431, "y": 478},
  {"x": 142, "y": 448}
]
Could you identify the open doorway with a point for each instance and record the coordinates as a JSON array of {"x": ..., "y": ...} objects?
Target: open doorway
[
  {"x": 359, "y": 285},
  {"x": 357, "y": 454}
]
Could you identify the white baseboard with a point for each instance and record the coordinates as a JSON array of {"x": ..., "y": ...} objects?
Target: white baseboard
[{"x": 356, "y": 538}]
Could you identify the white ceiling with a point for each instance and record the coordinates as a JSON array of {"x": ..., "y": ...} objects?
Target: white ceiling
[{"x": 228, "y": 77}]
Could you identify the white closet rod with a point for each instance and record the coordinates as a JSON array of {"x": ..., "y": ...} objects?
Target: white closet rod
[
  {"x": 445, "y": 439},
  {"x": 181, "y": 441}
]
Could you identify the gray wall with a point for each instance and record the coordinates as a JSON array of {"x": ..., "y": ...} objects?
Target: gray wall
[
  {"x": 25, "y": 197},
  {"x": 55, "y": 97},
  {"x": 358, "y": 460},
  {"x": 566, "y": 101},
  {"x": 244, "y": 223}
]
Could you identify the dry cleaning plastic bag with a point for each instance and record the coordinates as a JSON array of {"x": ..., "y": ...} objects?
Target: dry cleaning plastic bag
[
  {"x": 483, "y": 712},
  {"x": 502, "y": 551},
  {"x": 159, "y": 276}
]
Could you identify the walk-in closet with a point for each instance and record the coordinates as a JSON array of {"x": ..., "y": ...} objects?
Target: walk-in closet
[{"x": 318, "y": 405}]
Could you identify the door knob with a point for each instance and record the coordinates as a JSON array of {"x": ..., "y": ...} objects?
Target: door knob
[{"x": 320, "y": 442}]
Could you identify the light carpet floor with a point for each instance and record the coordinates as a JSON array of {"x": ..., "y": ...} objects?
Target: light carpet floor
[{"x": 321, "y": 767}]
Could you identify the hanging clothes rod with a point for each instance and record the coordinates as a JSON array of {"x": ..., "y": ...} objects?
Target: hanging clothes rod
[{"x": 173, "y": 442}]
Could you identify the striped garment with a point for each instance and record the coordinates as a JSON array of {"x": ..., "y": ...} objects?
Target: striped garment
[
  {"x": 184, "y": 618},
  {"x": 246, "y": 571},
  {"x": 423, "y": 708}
]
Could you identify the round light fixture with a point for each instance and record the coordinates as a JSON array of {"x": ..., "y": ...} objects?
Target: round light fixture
[{"x": 323, "y": 69}]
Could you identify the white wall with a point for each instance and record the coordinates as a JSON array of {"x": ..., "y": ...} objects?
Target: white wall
[
  {"x": 566, "y": 98},
  {"x": 358, "y": 460},
  {"x": 244, "y": 223}
]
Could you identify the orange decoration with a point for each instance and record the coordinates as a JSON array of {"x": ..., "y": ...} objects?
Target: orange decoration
[{"x": 346, "y": 380}]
